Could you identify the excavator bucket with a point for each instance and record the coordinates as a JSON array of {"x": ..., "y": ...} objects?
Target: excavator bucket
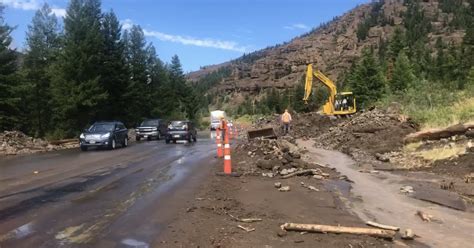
[{"x": 268, "y": 133}]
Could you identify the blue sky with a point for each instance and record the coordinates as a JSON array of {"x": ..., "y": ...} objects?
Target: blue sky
[{"x": 201, "y": 32}]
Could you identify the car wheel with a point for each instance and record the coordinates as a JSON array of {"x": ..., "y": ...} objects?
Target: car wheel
[
  {"x": 190, "y": 139},
  {"x": 167, "y": 141},
  {"x": 113, "y": 144},
  {"x": 83, "y": 148},
  {"x": 194, "y": 138},
  {"x": 125, "y": 142},
  {"x": 137, "y": 138},
  {"x": 174, "y": 141},
  {"x": 159, "y": 136}
]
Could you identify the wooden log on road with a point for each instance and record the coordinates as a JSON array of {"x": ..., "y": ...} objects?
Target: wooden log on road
[
  {"x": 298, "y": 173},
  {"x": 374, "y": 232},
  {"x": 439, "y": 133},
  {"x": 63, "y": 141},
  {"x": 382, "y": 226}
]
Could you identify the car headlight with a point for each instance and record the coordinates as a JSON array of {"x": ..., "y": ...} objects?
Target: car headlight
[
  {"x": 105, "y": 136},
  {"x": 154, "y": 129},
  {"x": 82, "y": 136}
]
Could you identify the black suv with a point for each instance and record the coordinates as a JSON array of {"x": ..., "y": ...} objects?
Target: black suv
[
  {"x": 104, "y": 134},
  {"x": 153, "y": 128},
  {"x": 181, "y": 130}
]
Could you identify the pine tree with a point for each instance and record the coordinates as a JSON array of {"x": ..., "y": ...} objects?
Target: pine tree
[
  {"x": 177, "y": 81},
  {"x": 367, "y": 82},
  {"x": 159, "y": 91},
  {"x": 137, "y": 95},
  {"x": 297, "y": 103},
  {"x": 43, "y": 43},
  {"x": 416, "y": 23},
  {"x": 188, "y": 98},
  {"x": 470, "y": 82},
  {"x": 76, "y": 88},
  {"x": 114, "y": 71},
  {"x": 397, "y": 44},
  {"x": 440, "y": 60},
  {"x": 403, "y": 76},
  {"x": 468, "y": 41},
  {"x": 9, "y": 100}
]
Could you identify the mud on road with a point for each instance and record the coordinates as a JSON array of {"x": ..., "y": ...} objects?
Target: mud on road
[
  {"x": 211, "y": 219},
  {"x": 98, "y": 198}
]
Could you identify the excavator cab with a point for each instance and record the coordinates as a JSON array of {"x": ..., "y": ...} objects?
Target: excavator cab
[{"x": 343, "y": 103}]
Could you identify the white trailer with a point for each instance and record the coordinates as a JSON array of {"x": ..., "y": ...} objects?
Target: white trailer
[{"x": 216, "y": 117}]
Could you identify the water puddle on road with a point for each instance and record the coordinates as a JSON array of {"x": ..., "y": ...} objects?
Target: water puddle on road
[
  {"x": 377, "y": 197},
  {"x": 19, "y": 232},
  {"x": 135, "y": 243}
]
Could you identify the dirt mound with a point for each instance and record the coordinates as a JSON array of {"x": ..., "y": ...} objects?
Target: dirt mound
[
  {"x": 462, "y": 166},
  {"x": 374, "y": 131},
  {"x": 312, "y": 124},
  {"x": 15, "y": 142},
  {"x": 304, "y": 125}
]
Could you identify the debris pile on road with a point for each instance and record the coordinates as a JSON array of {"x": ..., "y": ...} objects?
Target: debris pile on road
[
  {"x": 304, "y": 125},
  {"x": 276, "y": 158},
  {"x": 374, "y": 131},
  {"x": 16, "y": 142}
]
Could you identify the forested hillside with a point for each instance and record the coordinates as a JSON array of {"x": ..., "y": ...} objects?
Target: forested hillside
[
  {"x": 418, "y": 53},
  {"x": 84, "y": 70}
]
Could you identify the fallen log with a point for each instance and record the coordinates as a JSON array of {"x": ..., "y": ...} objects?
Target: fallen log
[
  {"x": 375, "y": 232},
  {"x": 298, "y": 173},
  {"x": 63, "y": 141},
  {"x": 245, "y": 220},
  {"x": 382, "y": 226},
  {"x": 247, "y": 229},
  {"x": 439, "y": 133}
]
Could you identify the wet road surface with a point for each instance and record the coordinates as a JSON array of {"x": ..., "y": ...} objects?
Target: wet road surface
[
  {"x": 377, "y": 198},
  {"x": 119, "y": 198}
]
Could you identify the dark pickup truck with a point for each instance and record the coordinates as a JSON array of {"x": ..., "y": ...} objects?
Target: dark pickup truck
[
  {"x": 152, "y": 128},
  {"x": 181, "y": 130}
]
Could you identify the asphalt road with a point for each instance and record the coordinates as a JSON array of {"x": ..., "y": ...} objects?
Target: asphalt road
[{"x": 101, "y": 198}]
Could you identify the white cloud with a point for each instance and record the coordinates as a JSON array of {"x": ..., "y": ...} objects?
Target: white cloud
[
  {"x": 207, "y": 42},
  {"x": 297, "y": 26},
  {"x": 127, "y": 24},
  {"x": 186, "y": 40},
  {"x": 32, "y": 5},
  {"x": 22, "y": 4},
  {"x": 58, "y": 12}
]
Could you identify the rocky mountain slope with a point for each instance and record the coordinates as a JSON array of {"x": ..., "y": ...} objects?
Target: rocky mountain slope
[{"x": 332, "y": 47}]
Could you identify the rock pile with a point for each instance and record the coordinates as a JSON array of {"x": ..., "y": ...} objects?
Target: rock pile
[
  {"x": 271, "y": 158},
  {"x": 15, "y": 142}
]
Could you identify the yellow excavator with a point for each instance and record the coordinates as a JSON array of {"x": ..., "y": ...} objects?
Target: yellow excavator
[{"x": 338, "y": 104}]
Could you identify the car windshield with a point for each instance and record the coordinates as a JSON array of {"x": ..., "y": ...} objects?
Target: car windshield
[
  {"x": 149, "y": 123},
  {"x": 101, "y": 128},
  {"x": 181, "y": 125}
]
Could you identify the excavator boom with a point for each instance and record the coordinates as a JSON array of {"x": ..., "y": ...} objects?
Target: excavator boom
[
  {"x": 328, "y": 108},
  {"x": 308, "y": 83}
]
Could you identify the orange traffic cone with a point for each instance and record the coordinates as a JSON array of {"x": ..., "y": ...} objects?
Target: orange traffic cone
[
  {"x": 227, "y": 158},
  {"x": 220, "y": 153}
]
